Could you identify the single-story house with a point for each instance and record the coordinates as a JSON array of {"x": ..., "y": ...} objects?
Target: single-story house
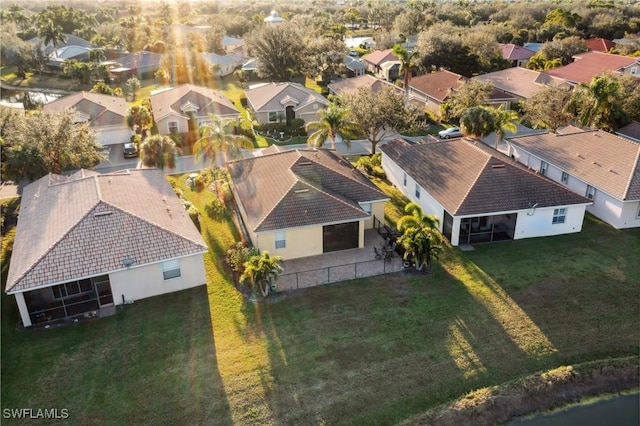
[
  {"x": 304, "y": 202},
  {"x": 603, "y": 167},
  {"x": 351, "y": 85},
  {"x": 479, "y": 194},
  {"x": 588, "y": 65},
  {"x": 232, "y": 44},
  {"x": 141, "y": 65},
  {"x": 518, "y": 56},
  {"x": 383, "y": 64},
  {"x": 70, "y": 40},
  {"x": 88, "y": 242},
  {"x": 225, "y": 64},
  {"x": 276, "y": 102},
  {"x": 355, "y": 67},
  {"x": 183, "y": 108},
  {"x": 520, "y": 83},
  {"x": 630, "y": 131},
  {"x": 106, "y": 115},
  {"x": 433, "y": 89},
  {"x": 360, "y": 42},
  {"x": 57, "y": 57},
  {"x": 600, "y": 44}
]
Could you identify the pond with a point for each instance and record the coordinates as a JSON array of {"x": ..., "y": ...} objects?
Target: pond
[{"x": 30, "y": 99}]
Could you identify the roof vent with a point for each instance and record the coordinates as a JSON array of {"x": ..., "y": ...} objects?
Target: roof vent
[
  {"x": 305, "y": 163},
  {"x": 497, "y": 166},
  {"x": 613, "y": 171},
  {"x": 301, "y": 191},
  {"x": 127, "y": 262},
  {"x": 596, "y": 164},
  {"x": 103, "y": 213},
  {"x": 580, "y": 156}
]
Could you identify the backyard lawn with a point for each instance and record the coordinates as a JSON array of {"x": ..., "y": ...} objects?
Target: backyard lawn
[{"x": 376, "y": 350}]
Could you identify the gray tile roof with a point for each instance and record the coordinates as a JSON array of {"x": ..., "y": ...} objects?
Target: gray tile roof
[
  {"x": 103, "y": 110},
  {"x": 631, "y": 130},
  {"x": 299, "y": 188},
  {"x": 351, "y": 85},
  {"x": 87, "y": 224},
  {"x": 603, "y": 160},
  {"x": 208, "y": 101},
  {"x": 267, "y": 97},
  {"x": 468, "y": 178}
]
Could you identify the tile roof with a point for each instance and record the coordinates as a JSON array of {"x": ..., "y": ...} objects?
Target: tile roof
[
  {"x": 600, "y": 44},
  {"x": 378, "y": 57},
  {"x": 438, "y": 85},
  {"x": 300, "y": 187},
  {"x": 513, "y": 52},
  {"x": 208, "y": 101},
  {"x": 141, "y": 60},
  {"x": 102, "y": 110},
  {"x": 631, "y": 130},
  {"x": 267, "y": 97},
  {"x": 519, "y": 81},
  {"x": 87, "y": 223},
  {"x": 603, "y": 160},
  {"x": 351, "y": 85},
  {"x": 468, "y": 178},
  {"x": 590, "y": 64}
]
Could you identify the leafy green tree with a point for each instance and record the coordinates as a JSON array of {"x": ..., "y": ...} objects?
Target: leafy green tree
[
  {"x": 278, "y": 50},
  {"x": 158, "y": 151},
  {"x": 442, "y": 47},
  {"x": 333, "y": 124},
  {"x": 546, "y": 108},
  {"x": 630, "y": 94},
  {"x": 598, "y": 104},
  {"x": 472, "y": 93},
  {"x": 323, "y": 57},
  {"x": 504, "y": 121},
  {"x": 420, "y": 238},
  {"x": 408, "y": 60},
  {"x": 218, "y": 138},
  {"x": 477, "y": 122},
  {"x": 44, "y": 143},
  {"x": 133, "y": 85},
  {"x": 262, "y": 270}
]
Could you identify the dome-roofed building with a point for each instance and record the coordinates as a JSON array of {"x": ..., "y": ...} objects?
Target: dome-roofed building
[{"x": 274, "y": 18}]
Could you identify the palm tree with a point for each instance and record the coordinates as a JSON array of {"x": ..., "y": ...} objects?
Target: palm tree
[
  {"x": 598, "y": 103},
  {"x": 139, "y": 118},
  {"x": 477, "y": 122},
  {"x": 504, "y": 121},
  {"x": 97, "y": 55},
  {"x": 262, "y": 270},
  {"x": 333, "y": 123},
  {"x": 218, "y": 137},
  {"x": 407, "y": 61},
  {"x": 158, "y": 151},
  {"x": 51, "y": 33},
  {"x": 419, "y": 238}
]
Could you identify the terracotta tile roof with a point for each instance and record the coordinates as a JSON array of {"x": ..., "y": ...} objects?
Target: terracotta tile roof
[
  {"x": 513, "y": 52},
  {"x": 631, "y": 130},
  {"x": 208, "y": 101},
  {"x": 468, "y": 178},
  {"x": 600, "y": 44},
  {"x": 437, "y": 85},
  {"x": 351, "y": 85},
  {"x": 378, "y": 57},
  {"x": 518, "y": 81},
  {"x": 267, "y": 97},
  {"x": 603, "y": 160},
  {"x": 102, "y": 110},
  {"x": 590, "y": 64},
  {"x": 87, "y": 224},
  {"x": 299, "y": 188}
]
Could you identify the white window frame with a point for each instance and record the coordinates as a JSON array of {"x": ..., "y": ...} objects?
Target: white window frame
[
  {"x": 590, "y": 193},
  {"x": 633, "y": 71},
  {"x": 417, "y": 191},
  {"x": 171, "y": 124},
  {"x": 565, "y": 178},
  {"x": 404, "y": 180},
  {"x": 171, "y": 269},
  {"x": 280, "y": 240},
  {"x": 273, "y": 114},
  {"x": 638, "y": 212},
  {"x": 559, "y": 216},
  {"x": 544, "y": 167}
]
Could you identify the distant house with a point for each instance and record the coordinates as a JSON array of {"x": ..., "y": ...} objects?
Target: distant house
[
  {"x": 479, "y": 194},
  {"x": 355, "y": 67},
  {"x": 142, "y": 65},
  {"x": 383, "y": 64},
  {"x": 630, "y": 131},
  {"x": 351, "y": 85},
  {"x": 534, "y": 47},
  {"x": 106, "y": 115},
  {"x": 232, "y": 44},
  {"x": 518, "y": 56},
  {"x": 71, "y": 40},
  {"x": 598, "y": 165},
  {"x": 274, "y": 18},
  {"x": 434, "y": 89},
  {"x": 520, "y": 83},
  {"x": 186, "y": 107},
  {"x": 282, "y": 102},
  {"x": 360, "y": 42},
  {"x": 600, "y": 45},
  {"x": 588, "y": 65},
  {"x": 88, "y": 242},
  {"x": 224, "y": 64},
  {"x": 304, "y": 202}
]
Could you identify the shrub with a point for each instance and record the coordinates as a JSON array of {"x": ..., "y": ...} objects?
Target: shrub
[
  {"x": 238, "y": 254},
  {"x": 371, "y": 165},
  {"x": 296, "y": 123},
  {"x": 225, "y": 192},
  {"x": 216, "y": 209},
  {"x": 194, "y": 214},
  {"x": 178, "y": 191},
  {"x": 199, "y": 183}
]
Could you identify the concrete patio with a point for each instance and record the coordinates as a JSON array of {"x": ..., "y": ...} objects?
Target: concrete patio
[{"x": 338, "y": 266}]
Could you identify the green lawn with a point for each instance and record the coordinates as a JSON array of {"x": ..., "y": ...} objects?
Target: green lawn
[{"x": 367, "y": 351}]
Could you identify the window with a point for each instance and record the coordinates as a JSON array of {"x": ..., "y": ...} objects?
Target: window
[
  {"x": 591, "y": 192},
  {"x": 634, "y": 71},
  {"x": 417, "y": 191},
  {"x": 366, "y": 207},
  {"x": 638, "y": 212},
  {"x": 281, "y": 241},
  {"x": 404, "y": 180},
  {"x": 273, "y": 117},
  {"x": 559, "y": 215},
  {"x": 565, "y": 177},
  {"x": 543, "y": 168},
  {"x": 171, "y": 269},
  {"x": 173, "y": 127}
]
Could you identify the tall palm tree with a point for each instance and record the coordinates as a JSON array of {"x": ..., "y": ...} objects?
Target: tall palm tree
[
  {"x": 158, "y": 151},
  {"x": 419, "y": 238},
  {"x": 218, "y": 138},
  {"x": 139, "y": 118},
  {"x": 333, "y": 123},
  {"x": 262, "y": 270},
  {"x": 407, "y": 62},
  {"x": 51, "y": 33},
  {"x": 97, "y": 55},
  {"x": 477, "y": 122},
  {"x": 504, "y": 121},
  {"x": 598, "y": 103}
]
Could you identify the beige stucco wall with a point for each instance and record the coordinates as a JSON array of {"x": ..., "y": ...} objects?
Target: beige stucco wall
[
  {"x": 163, "y": 124},
  {"x": 147, "y": 280},
  {"x": 377, "y": 210}
]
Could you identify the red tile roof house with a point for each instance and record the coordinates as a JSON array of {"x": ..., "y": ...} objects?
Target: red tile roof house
[
  {"x": 88, "y": 242},
  {"x": 183, "y": 108},
  {"x": 603, "y": 167},
  {"x": 517, "y": 55},
  {"x": 107, "y": 115},
  {"x": 478, "y": 194},
  {"x": 273, "y": 102},
  {"x": 383, "y": 64},
  {"x": 600, "y": 44},
  {"x": 590, "y": 64},
  {"x": 304, "y": 202}
]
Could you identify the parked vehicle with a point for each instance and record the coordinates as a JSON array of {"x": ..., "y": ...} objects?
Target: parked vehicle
[
  {"x": 130, "y": 150},
  {"x": 451, "y": 132}
]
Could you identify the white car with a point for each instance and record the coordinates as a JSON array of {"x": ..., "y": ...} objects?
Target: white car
[{"x": 451, "y": 132}]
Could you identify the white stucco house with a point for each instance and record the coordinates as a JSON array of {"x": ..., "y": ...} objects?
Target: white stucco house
[
  {"x": 88, "y": 242},
  {"x": 224, "y": 64},
  {"x": 282, "y": 102},
  {"x": 478, "y": 194},
  {"x": 106, "y": 115},
  {"x": 603, "y": 167}
]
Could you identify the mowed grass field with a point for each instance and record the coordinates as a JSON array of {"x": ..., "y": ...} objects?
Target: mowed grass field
[{"x": 368, "y": 351}]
